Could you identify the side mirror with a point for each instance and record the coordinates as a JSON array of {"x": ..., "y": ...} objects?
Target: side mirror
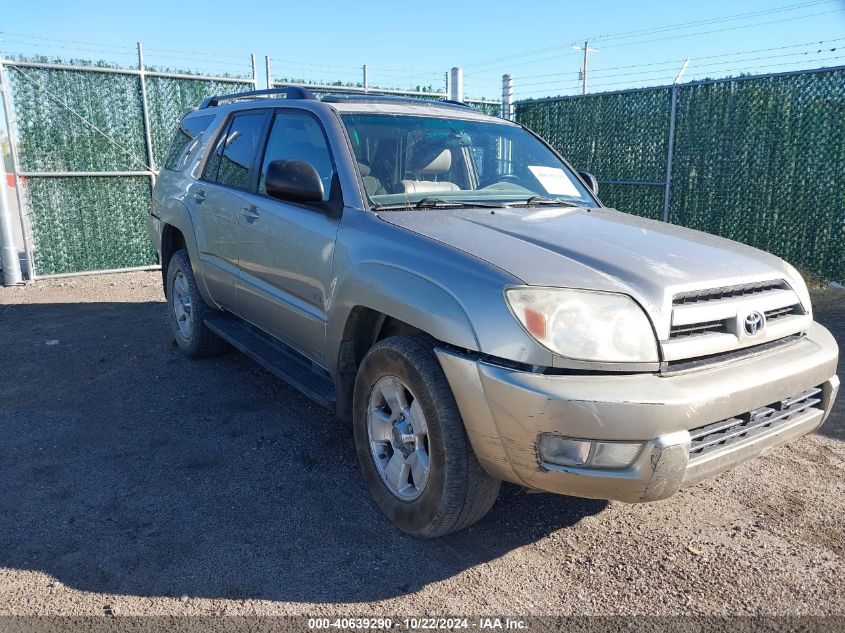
[
  {"x": 591, "y": 181},
  {"x": 293, "y": 181}
]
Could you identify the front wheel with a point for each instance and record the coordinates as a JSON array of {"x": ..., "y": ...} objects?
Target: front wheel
[
  {"x": 414, "y": 452},
  {"x": 187, "y": 309}
]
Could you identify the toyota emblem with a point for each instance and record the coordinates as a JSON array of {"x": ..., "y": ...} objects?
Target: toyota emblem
[{"x": 754, "y": 323}]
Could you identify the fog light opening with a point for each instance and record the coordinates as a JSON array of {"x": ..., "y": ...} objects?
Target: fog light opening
[{"x": 565, "y": 451}]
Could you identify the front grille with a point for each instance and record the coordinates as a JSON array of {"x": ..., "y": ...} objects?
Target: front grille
[
  {"x": 721, "y": 326},
  {"x": 694, "y": 329},
  {"x": 779, "y": 313},
  {"x": 728, "y": 292},
  {"x": 720, "y": 435}
]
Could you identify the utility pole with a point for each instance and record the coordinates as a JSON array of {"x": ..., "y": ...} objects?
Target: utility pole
[
  {"x": 366, "y": 79},
  {"x": 681, "y": 72},
  {"x": 583, "y": 74}
]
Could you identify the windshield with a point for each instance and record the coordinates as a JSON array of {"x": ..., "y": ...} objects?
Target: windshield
[{"x": 420, "y": 160}]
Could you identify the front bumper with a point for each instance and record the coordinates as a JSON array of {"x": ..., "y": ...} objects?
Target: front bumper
[{"x": 504, "y": 411}]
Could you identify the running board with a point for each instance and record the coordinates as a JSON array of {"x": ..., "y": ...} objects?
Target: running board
[{"x": 278, "y": 358}]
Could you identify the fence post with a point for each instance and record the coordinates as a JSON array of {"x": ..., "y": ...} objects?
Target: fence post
[
  {"x": 8, "y": 111},
  {"x": 268, "y": 71},
  {"x": 667, "y": 189},
  {"x": 456, "y": 84},
  {"x": 8, "y": 249},
  {"x": 254, "y": 71},
  {"x": 507, "y": 97},
  {"x": 148, "y": 140}
]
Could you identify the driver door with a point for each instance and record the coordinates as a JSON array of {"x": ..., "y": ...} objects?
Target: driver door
[{"x": 286, "y": 250}]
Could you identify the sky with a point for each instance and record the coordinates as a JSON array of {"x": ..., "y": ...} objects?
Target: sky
[{"x": 407, "y": 44}]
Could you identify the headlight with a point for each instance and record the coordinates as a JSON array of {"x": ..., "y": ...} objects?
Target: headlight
[
  {"x": 585, "y": 325},
  {"x": 797, "y": 283}
]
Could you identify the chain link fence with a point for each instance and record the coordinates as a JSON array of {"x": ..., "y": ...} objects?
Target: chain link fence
[
  {"x": 755, "y": 159},
  {"x": 83, "y": 158}
]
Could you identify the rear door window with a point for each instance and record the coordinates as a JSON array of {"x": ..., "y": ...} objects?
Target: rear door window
[{"x": 234, "y": 155}]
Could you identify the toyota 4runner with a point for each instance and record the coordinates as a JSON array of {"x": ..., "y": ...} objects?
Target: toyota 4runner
[{"x": 446, "y": 282}]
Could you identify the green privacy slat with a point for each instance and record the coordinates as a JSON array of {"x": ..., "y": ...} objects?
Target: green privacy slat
[
  {"x": 86, "y": 223},
  {"x": 59, "y": 113},
  {"x": 762, "y": 161},
  {"x": 756, "y": 160},
  {"x": 169, "y": 98},
  {"x": 77, "y": 120}
]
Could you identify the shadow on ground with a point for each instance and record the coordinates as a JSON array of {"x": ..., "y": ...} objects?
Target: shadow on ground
[{"x": 128, "y": 469}]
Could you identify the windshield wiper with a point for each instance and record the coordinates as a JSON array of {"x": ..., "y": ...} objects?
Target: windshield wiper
[
  {"x": 433, "y": 203},
  {"x": 436, "y": 203},
  {"x": 543, "y": 200}
]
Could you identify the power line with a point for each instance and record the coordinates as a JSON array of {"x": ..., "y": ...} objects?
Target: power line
[
  {"x": 698, "y": 74},
  {"x": 52, "y": 39},
  {"x": 668, "y": 27},
  {"x": 674, "y": 62},
  {"x": 703, "y": 22},
  {"x": 665, "y": 71}
]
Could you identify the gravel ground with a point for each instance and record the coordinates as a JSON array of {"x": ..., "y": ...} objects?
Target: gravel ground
[{"x": 135, "y": 481}]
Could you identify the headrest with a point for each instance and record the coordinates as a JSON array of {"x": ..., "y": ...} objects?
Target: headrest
[
  {"x": 439, "y": 163},
  {"x": 364, "y": 169}
]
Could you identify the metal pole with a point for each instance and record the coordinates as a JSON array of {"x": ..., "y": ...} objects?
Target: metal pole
[
  {"x": 254, "y": 71},
  {"x": 681, "y": 71},
  {"x": 268, "y": 71},
  {"x": 148, "y": 140},
  {"x": 507, "y": 97},
  {"x": 366, "y": 83},
  {"x": 8, "y": 249},
  {"x": 667, "y": 190},
  {"x": 584, "y": 72},
  {"x": 456, "y": 84},
  {"x": 8, "y": 111}
]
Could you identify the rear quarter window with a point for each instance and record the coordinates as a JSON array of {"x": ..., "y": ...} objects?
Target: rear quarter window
[{"x": 183, "y": 141}]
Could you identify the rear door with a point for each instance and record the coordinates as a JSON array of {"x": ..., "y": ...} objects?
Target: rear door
[
  {"x": 217, "y": 198},
  {"x": 286, "y": 250}
]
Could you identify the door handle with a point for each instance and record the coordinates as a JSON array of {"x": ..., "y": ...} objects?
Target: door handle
[
  {"x": 199, "y": 196},
  {"x": 250, "y": 213}
]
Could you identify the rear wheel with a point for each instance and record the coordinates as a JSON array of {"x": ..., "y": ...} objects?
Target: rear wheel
[
  {"x": 187, "y": 309},
  {"x": 414, "y": 453}
]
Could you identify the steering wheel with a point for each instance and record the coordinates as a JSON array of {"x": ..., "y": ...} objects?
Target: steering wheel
[{"x": 503, "y": 178}]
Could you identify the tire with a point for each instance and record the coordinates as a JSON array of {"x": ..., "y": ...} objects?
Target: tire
[
  {"x": 185, "y": 304},
  {"x": 456, "y": 491}
]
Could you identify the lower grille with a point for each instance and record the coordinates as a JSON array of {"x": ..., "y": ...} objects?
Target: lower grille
[{"x": 719, "y": 435}]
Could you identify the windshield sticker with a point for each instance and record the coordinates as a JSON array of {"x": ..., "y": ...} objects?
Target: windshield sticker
[{"x": 554, "y": 180}]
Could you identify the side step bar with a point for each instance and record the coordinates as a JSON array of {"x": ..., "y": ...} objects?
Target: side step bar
[{"x": 278, "y": 358}]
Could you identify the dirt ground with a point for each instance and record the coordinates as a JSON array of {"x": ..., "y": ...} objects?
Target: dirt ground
[{"x": 135, "y": 481}]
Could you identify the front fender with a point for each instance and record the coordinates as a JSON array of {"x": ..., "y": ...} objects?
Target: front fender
[{"x": 402, "y": 294}]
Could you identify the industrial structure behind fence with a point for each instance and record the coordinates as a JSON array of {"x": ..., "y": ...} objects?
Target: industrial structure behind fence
[{"x": 758, "y": 159}]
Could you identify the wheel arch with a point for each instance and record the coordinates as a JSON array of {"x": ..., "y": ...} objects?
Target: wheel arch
[
  {"x": 381, "y": 300},
  {"x": 178, "y": 232}
]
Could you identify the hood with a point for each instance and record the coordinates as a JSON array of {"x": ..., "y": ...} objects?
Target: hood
[{"x": 601, "y": 249}]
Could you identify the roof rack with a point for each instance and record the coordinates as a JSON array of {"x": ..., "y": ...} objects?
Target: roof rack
[
  {"x": 290, "y": 92},
  {"x": 375, "y": 97}
]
